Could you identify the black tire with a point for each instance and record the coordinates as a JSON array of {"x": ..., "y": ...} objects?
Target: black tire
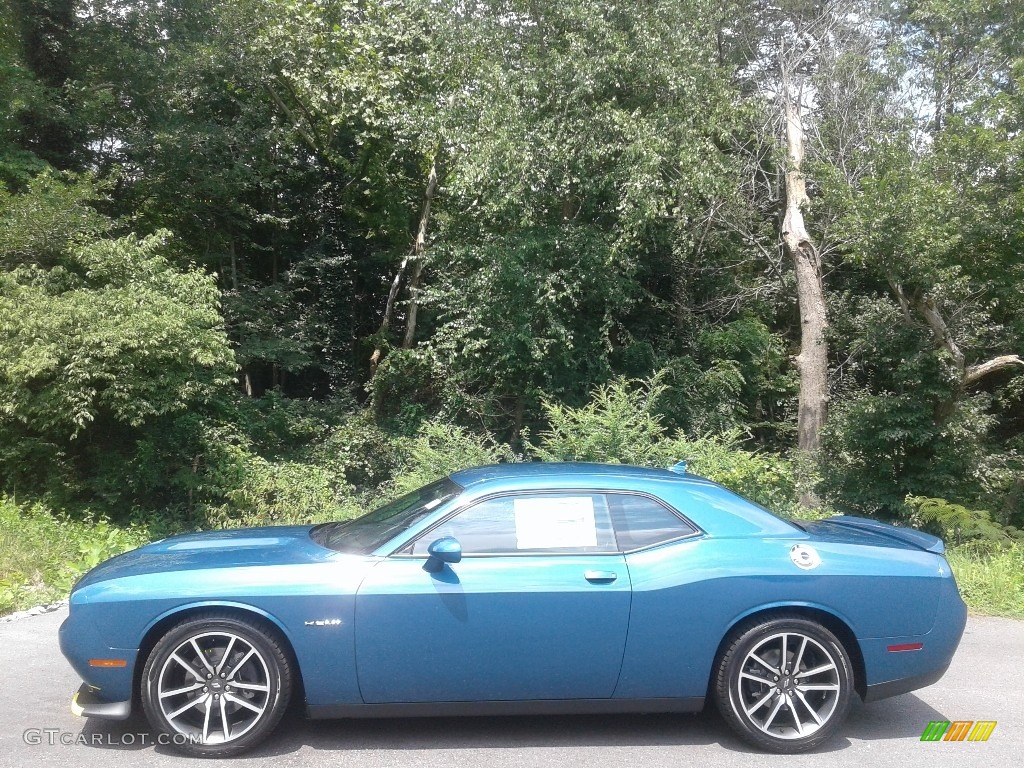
[
  {"x": 783, "y": 708},
  {"x": 215, "y": 685}
]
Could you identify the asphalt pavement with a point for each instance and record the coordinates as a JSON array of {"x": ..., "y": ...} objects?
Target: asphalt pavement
[{"x": 985, "y": 682}]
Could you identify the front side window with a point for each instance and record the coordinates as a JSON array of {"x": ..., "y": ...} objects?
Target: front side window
[
  {"x": 530, "y": 523},
  {"x": 365, "y": 534}
]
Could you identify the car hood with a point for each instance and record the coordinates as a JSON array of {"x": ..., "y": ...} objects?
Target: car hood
[{"x": 279, "y": 545}]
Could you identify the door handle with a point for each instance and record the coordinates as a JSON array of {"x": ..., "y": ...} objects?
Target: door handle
[{"x": 600, "y": 577}]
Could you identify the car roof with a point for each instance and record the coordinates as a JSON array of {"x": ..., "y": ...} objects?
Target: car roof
[
  {"x": 714, "y": 508},
  {"x": 567, "y": 470}
]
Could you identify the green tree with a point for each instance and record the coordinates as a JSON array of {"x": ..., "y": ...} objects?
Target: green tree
[
  {"x": 37, "y": 58},
  {"x": 582, "y": 173},
  {"x": 101, "y": 338},
  {"x": 932, "y": 232}
]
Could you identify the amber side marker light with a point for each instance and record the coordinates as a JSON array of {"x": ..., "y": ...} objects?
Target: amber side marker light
[{"x": 108, "y": 663}]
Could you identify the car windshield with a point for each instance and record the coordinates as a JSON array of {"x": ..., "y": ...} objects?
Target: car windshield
[{"x": 365, "y": 534}]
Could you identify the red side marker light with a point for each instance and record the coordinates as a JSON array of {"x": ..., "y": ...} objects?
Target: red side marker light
[
  {"x": 108, "y": 663},
  {"x": 905, "y": 647}
]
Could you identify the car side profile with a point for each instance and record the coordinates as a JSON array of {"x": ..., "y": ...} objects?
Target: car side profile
[{"x": 521, "y": 588}]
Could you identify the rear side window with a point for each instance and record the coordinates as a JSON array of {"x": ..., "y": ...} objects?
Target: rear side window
[{"x": 642, "y": 522}]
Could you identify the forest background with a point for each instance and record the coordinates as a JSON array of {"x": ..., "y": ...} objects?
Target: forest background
[{"x": 274, "y": 261}]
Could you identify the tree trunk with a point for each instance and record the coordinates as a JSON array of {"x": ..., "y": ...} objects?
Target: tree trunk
[
  {"x": 410, "y": 317},
  {"x": 976, "y": 373},
  {"x": 812, "y": 362},
  {"x": 389, "y": 309},
  {"x": 246, "y": 378},
  {"x": 416, "y": 258},
  {"x": 417, "y": 255}
]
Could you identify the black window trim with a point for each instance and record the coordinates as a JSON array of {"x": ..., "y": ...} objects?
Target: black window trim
[{"x": 697, "y": 530}]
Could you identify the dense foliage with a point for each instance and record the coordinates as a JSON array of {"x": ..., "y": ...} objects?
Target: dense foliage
[{"x": 278, "y": 260}]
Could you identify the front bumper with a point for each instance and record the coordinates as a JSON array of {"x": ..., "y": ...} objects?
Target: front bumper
[
  {"x": 85, "y": 703},
  {"x": 104, "y": 685}
]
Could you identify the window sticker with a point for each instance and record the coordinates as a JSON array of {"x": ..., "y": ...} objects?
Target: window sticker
[{"x": 557, "y": 522}]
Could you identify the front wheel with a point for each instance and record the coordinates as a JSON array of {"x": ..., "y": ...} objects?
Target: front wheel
[
  {"x": 784, "y": 684},
  {"x": 216, "y": 685}
]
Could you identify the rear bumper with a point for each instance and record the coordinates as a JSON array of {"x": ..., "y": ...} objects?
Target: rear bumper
[
  {"x": 86, "y": 703},
  {"x": 904, "y": 685}
]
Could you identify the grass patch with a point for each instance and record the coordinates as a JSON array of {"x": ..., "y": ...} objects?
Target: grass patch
[
  {"x": 42, "y": 554},
  {"x": 990, "y": 577}
]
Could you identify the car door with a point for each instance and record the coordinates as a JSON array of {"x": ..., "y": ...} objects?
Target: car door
[{"x": 537, "y": 608}]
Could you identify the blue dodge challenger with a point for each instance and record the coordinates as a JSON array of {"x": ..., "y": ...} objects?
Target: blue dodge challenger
[{"x": 523, "y": 588}]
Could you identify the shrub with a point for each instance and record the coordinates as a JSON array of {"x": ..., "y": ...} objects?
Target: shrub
[
  {"x": 955, "y": 523},
  {"x": 245, "y": 489},
  {"x": 406, "y": 390},
  {"x": 104, "y": 350},
  {"x": 361, "y": 452},
  {"x": 440, "y": 449},
  {"x": 621, "y": 424},
  {"x": 42, "y": 554}
]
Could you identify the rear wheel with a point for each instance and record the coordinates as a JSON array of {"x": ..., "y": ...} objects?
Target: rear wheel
[
  {"x": 784, "y": 684},
  {"x": 216, "y": 685}
]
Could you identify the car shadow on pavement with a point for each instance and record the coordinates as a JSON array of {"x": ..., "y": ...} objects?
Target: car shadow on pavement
[{"x": 898, "y": 718}]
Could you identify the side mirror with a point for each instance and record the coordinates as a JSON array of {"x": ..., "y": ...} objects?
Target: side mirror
[{"x": 441, "y": 551}]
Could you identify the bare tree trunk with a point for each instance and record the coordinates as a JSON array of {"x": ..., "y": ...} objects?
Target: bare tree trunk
[
  {"x": 234, "y": 265},
  {"x": 812, "y": 362},
  {"x": 246, "y": 379},
  {"x": 976, "y": 373},
  {"x": 940, "y": 332},
  {"x": 389, "y": 309},
  {"x": 417, "y": 255},
  {"x": 410, "y": 317}
]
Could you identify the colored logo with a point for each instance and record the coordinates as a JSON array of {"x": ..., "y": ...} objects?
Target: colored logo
[{"x": 958, "y": 730}]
